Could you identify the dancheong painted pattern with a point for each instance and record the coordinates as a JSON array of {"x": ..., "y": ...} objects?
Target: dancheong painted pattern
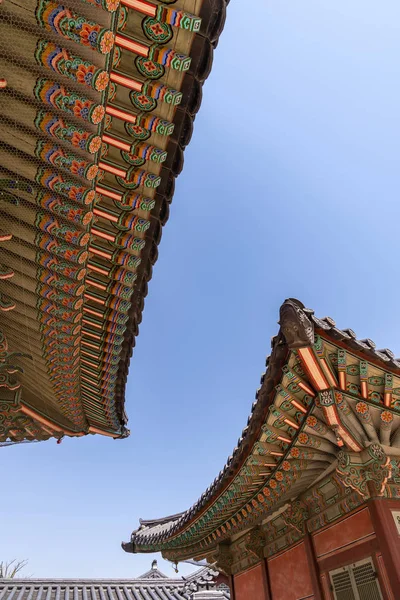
[
  {"x": 97, "y": 101},
  {"x": 323, "y": 438}
]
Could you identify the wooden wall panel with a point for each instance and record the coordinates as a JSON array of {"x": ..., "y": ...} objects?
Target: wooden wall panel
[
  {"x": 290, "y": 575},
  {"x": 356, "y": 527},
  {"x": 250, "y": 585}
]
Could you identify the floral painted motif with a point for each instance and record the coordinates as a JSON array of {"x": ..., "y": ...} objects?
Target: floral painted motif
[
  {"x": 84, "y": 74},
  {"x": 52, "y": 93},
  {"x": 386, "y": 416},
  {"x": 59, "y": 297},
  {"x": 59, "y": 266},
  {"x": 108, "y": 121},
  {"x": 66, "y": 23},
  {"x": 81, "y": 109},
  {"x": 98, "y": 114},
  {"x": 70, "y": 212},
  {"x": 58, "y": 128},
  {"x": 80, "y": 139},
  {"x": 62, "y": 61},
  {"x": 142, "y": 101},
  {"x": 333, "y": 358},
  {"x": 58, "y": 157},
  {"x": 87, "y": 34},
  {"x": 303, "y": 438},
  {"x": 94, "y": 145},
  {"x": 60, "y": 249},
  {"x": 363, "y": 412},
  {"x": 148, "y": 68},
  {"x": 362, "y": 408},
  {"x": 311, "y": 421},
  {"x": 136, "y": 131},
  {"x": 65, "y": 285},
  {"x": 58, "y": 184},
  {"x": 107, "y": 42},
  {"x": 156, "y": 31},
  {"x": 101, "y": 81},
  {"x": 92, "y": 172}
]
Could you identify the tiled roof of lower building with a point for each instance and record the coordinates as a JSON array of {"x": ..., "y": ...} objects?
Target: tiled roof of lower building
[{"x": 152, "y": 585}]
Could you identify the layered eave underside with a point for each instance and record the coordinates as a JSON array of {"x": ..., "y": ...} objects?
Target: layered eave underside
[
  {"x": 324, "y": 392},
  {"x": 98, "y": 100}
]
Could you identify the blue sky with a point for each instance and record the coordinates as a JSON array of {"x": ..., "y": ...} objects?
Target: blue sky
[{"x": 290, "y": 188}]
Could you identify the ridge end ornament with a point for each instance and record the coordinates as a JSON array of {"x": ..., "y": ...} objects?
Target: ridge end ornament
[{"x": 296, "y": 327}]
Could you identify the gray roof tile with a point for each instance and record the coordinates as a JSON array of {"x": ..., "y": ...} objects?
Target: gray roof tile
[{"x": 152, "y": 585}]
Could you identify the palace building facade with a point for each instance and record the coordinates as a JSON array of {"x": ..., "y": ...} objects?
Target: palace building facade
[{"x": 308, "y": 504}]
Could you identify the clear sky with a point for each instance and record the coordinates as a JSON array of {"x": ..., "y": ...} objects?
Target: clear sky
[{"x": 290, "y": 188}]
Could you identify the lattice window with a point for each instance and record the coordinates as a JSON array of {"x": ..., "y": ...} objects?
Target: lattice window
[{"x": 357, "y": 581}]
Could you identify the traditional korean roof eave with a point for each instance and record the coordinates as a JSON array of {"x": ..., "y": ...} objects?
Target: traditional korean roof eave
[
  {"x": 168, "y": 98},
  {"x": 213, "y": 14},
  {"x": 301, "y": 336}
]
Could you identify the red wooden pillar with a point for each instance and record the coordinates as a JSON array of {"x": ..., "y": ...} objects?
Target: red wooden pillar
[
  {"x": 231, "y": 584},
  {"x": 267, "y": 585},
  {"x": 388, "y": 538},
  {"x": 313, "y": 567}
]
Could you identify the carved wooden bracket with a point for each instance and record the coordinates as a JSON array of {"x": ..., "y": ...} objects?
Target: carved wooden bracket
[
  {"x": 255, "y": 542},
  {"x": 224, "y": 558},
  {"x": 296, "y": 515},
  {"x": 366, "y": 472}
]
